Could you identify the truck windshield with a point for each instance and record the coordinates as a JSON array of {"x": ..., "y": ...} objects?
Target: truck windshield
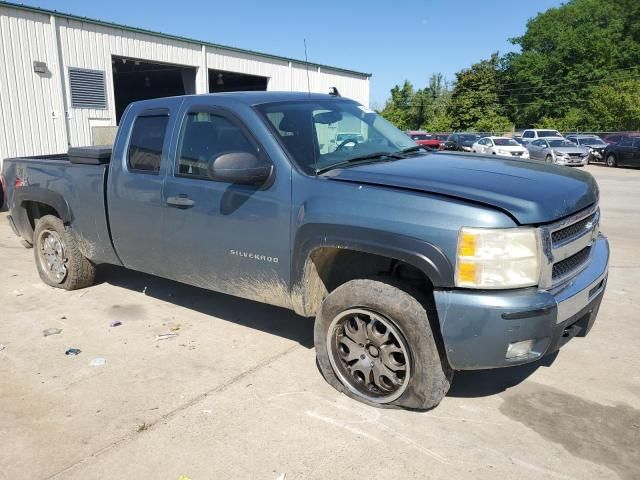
[
  {"x": 548, "y": 133},
  {"x": 321, "y": 133},
  {"x": 506, "y": 142}
]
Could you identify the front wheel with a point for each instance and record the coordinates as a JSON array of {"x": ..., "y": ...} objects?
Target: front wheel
[
  {"x": 374, "y": 343},
  {"x": 58, "y": 259},
  {"x": 611, "y": 161},
  {"x": 548, "y": 159}
]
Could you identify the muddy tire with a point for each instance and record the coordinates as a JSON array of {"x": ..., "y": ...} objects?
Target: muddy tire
[
  {"x": 374, "y": 342},
  {"x": 58, "y": 259}
]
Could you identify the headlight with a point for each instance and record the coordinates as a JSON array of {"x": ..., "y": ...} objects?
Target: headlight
[
  {"x": 497, "y": 258},
  {"x": 558, "y": 154},
  {"x": 525, "y": 154}
]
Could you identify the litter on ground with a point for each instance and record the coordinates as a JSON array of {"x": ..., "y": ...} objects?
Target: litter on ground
[
  {"x": 51, "y": 331},
  {"x": 166, "y": 336}
]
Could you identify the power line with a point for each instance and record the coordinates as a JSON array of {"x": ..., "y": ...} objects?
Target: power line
[
  {"x": 552, "y": 89},
  {"x": 555, "y": 76}
]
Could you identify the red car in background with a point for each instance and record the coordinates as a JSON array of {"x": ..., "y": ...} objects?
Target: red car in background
[{"x": 426, "y": 139}]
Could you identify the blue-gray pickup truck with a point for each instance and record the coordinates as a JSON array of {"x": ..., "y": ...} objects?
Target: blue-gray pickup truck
[{"x": 415, "y": 264}]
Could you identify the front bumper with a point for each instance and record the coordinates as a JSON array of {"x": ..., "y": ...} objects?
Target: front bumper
[
  {"x": 478, "y": 326},
  {"x": 572, "y": 161}
]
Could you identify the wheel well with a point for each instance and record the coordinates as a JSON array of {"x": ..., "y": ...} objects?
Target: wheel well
[
  {"x": 36, "y": 210},
  {"x": 329, "y": 267}
]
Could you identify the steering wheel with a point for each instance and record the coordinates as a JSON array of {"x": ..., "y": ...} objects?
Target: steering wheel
[{"x": 345, "y": 142}]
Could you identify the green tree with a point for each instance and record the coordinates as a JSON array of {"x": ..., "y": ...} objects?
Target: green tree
[
  {"x": 616, "y": 106},
  {"x": 566, "y": 51},
  {"x": 397, "y": 109},
  {"x": 474, "y": 102}
]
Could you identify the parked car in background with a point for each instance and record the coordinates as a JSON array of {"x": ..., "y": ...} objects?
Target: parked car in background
[
  {"x": 520, "y": 140},
  {"x": 503, "y": 146},
  {"x": 625, "y": 153},
  {"x": 614, "y": 137},
  {"x": 559, "y": 151},
  {"x": 426, "y": 139},
  {"x": 441, "y": 136},
  {"x": 535, "y": 133},
  {"x": 461, "y": 142},
  {"x": 594, "y": 143}
]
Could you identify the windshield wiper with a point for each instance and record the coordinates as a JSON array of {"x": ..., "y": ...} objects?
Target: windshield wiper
[
  {"x": 415, "y": 149},
  {"x": 368, "y": 156}
]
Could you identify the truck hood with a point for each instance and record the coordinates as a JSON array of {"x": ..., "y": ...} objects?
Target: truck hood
[
  {"x": 570, "y": 150},
  {"x": 531, "y": 192}
]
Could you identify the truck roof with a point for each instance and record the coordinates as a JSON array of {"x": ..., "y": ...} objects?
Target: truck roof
[
  {"x": 268, "y": 97},
  {"x": 256, "y": 98}
]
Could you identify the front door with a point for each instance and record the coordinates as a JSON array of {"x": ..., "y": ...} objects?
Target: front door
[
  {"x": 636, "y": 152},
  {"x": 625, "y": 151},
  {"x": 534, "y": 149},
  {"x": 220, "y": 236}
]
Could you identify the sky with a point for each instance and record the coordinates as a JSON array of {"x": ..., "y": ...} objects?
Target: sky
[{"x": 392, "y": 40}]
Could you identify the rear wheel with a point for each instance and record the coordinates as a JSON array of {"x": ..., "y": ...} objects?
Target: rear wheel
[
  {"x": 58, "y": 259},
  {"x": 611, "y": 160},
  {"x": 375, "y": 344}
]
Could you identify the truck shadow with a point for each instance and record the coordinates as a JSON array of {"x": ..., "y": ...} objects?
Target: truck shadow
[
  {"x": 274, "y": 320},
  {"x": 284, "y": 323},
  {"x": 483, "y": 383}
]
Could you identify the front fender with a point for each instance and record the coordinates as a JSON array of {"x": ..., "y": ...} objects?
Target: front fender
[{"x": 422, "y": 255}]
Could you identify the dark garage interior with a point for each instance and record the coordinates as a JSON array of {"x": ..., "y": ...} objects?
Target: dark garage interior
[
  {"x": 223, "y": 81},
  {"x": 135, "y": 79}
]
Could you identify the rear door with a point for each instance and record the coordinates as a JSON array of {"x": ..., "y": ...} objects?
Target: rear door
[
  {"x": 136, "y": 177},
  {"x": 220, "y": 236}
]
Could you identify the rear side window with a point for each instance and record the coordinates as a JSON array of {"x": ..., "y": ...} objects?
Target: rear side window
[
  {"x": 528, "y": 134},
  {"x": 145, "y": 147}
]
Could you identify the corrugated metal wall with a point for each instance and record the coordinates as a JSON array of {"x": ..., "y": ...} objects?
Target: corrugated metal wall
[
  {"x": 31, "y": 108},
  {"x": 32, "y": 105},
  {"x": 91, "y": 46}
]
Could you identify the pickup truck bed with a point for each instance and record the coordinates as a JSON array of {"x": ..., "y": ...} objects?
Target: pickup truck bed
[{"x": 74, "y": 186}]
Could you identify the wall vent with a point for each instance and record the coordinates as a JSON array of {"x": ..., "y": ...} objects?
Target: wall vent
[{"x": 88, "y": 88}]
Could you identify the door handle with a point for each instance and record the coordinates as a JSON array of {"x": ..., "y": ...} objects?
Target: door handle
[{"x": 181, "y": 201}]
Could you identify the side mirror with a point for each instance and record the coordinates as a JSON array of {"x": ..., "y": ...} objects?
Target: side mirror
[{"x": 239, "y": 167}]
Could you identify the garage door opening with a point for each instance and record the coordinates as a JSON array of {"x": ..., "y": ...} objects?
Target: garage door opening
[
  {"x": 135, "y": 79},
  {"x": 223, "y": 81}
]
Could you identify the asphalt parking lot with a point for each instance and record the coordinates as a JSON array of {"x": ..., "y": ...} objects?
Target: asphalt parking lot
[{"x": 236, "y": 393}]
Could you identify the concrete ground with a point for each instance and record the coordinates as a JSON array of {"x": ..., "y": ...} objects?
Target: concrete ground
[{"x": 236, "y": 394}]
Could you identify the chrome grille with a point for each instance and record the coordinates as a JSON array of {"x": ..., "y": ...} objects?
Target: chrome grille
[
  {"x": 568, "y": 233},
  {"x": 568, "y": 265},
  {"x": 567, "y": 246}
]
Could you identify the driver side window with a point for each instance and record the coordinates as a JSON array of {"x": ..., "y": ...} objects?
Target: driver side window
[{"x": 205, "y": 136}]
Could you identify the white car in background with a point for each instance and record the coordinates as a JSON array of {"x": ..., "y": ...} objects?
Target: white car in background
[{"x": 503, "y": 146}]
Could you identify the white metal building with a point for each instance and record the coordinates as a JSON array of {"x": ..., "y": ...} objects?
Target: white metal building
[{"x": 64, "y": 78}]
